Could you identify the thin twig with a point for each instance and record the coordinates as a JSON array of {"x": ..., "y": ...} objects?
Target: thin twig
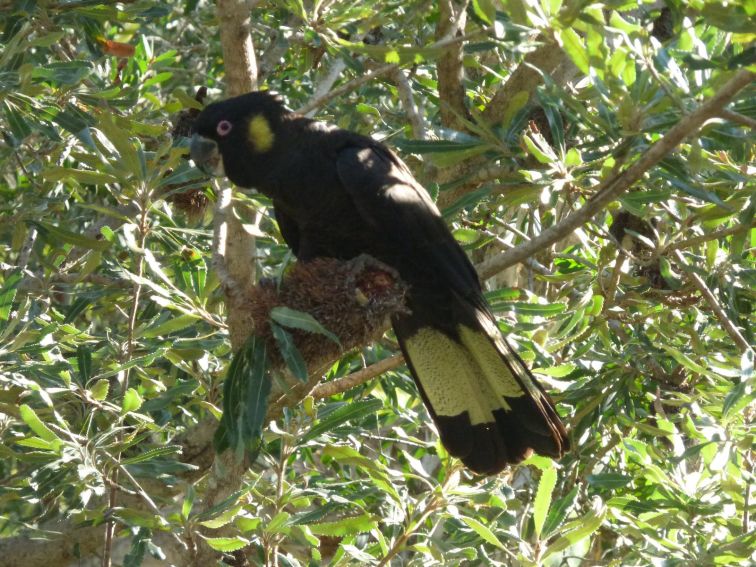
[
  {"x": 616, "y": 185},
  {"x": 728, "y": 325},
  {"x": 340, "y": 385},
  {"x": 435, "y": 502},
  {"x": 738, "y": 118},
  {"x": 407, "y": 99},
  {"x": 611, "y": 291},
  {"x": 25, "y": 252},
  {"x": 696, "y": 240},
  {"x": 346, "y": 87},
  {"x": 137, "y": 291},
  {"x": 327, "y": 83}
]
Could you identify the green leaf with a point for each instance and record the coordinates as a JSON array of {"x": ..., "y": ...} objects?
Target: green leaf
[
  {"x": 514, "y": 105},
  {"x": 31, "y": 419},
  {"x": 543, "y": 498},
  {"x": 84, "y": 362},
  {"x": 738, "y": 397},
  {"x": 540, "y": 151},
  {"x": 466, "y": 235},
  {"x": 64, "y": 73},
  {"x": 289, "y": 352},
  {"x": 558, "y": 511},
  {"x": 278, "y": 523},
  {"x": 485, "y": 533},
  {"x": 227, "y": 544},
  {"x": 172, "y": 325},
  {"x": 128, "y": 161},
  {"x": 100, "y": 390},
  {"x": 347, "y": 412},
  {"x": 573, "y": 158},
  {"x": 345, "y": 527},
  {"x": 669, "y": 275},
  {"x": 574, "y": 47},
  {"x": 222, "y": 519},
  {"x": 55, "y": 235},
  {"x": 547, "y": 310},
  {"x": 84, "y": 176},
  {"x": 485, "y": 10},
  {"x": 559, "y": 371},
  {"x": 8, "y": 294},
  {"x": 300, "y": 320},
  {"x": 247, "y": 524},
  {"x": 38, "y": 443},
  {"x": 139, "y": 545},
  {"x": 245, "y": 398},
  {"x": 608, "y": 481},
  {"x": 132, "y": 401},
  {"x": 577, "y": 530},
  {"x": 152, "y": 454}
]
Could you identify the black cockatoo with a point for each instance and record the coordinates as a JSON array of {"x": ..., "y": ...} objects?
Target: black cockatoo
[{"x": 339, "y": 194}]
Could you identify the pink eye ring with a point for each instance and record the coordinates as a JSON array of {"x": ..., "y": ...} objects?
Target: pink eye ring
[{"x": 223, "y": 128}]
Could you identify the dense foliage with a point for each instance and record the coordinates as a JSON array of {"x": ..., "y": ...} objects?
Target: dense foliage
[{"x": 112, "y": 336}]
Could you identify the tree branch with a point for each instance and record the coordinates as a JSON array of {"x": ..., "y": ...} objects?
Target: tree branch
[
  {"x": 548, "y": 59},
  {"x": 234, "y": 248},
  {"x": 727, "y": 323},
  {"x": 341, "y": 385},
  {"x": 696, "y": 240},
  {"x": 451, "y": 91},
  {"x": 616, "y": 185}
]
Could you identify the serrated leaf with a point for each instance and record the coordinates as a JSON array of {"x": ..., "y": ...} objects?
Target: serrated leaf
[
  {"x": 347, "y": 412},
  {"x": 31, "y": 419},
  {"x": 227, "y": 544},
  {"x": 345, "y": 527},
  {"x": 542, "y": 500},
  {"x": 558, "y": 511},
  {"x": 577, "y": 530},
  {"x": 247, "y": 524},
  {"x": 300, "y": 320},
  {"x": 608, "y": 480},
  {"x": 574, "y": 47},
  {"x": 172, "y": 325},
  {"x": 8, "y": 294},
  {"x": 278, "y": 523},
  {"x": 139, "y": 545},
  {"x": 466, "y": 235},
  {"x": 132, "y": 401},
  {"x": 222, "y": 519},
  {"x": 484, "y": 532},
  {"x": 152, "y": 454},
  {"x": 100, "y": 390}
]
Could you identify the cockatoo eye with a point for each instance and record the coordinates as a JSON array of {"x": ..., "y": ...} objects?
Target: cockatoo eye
[{"x": 223, "y": 128}]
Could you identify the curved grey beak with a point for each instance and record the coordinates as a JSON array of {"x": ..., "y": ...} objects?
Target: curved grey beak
[{"x": 205, "y": 155}]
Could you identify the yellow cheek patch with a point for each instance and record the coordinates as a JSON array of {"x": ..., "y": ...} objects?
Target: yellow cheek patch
[{"x": 261, "y": 137}]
